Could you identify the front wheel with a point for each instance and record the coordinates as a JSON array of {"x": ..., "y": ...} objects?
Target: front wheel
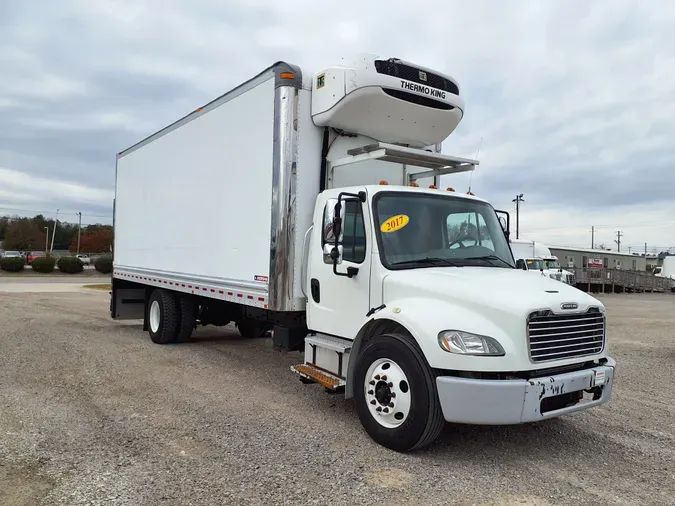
[{"x": 395, "y": 394}]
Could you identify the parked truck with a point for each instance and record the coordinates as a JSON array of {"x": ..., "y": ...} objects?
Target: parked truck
[
  {"x": 308, "y": 204},
  {"x": 536, "y": 257},
  {"x": 667, "y": 270}
]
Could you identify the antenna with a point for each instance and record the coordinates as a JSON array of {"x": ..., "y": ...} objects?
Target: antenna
[{"x": 476, "y": 158}]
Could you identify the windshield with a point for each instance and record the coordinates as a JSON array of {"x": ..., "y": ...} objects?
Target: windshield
[
  {"x": 552, "y": 264},
  {"x": 533, "y": 264},
  {"x": 423, "y": 230}
]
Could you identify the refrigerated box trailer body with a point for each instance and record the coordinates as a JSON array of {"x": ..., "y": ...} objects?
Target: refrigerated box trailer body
[{"x": 309, "y": 204}]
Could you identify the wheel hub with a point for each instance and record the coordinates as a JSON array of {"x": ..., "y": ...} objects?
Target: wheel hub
[
  {"x": 382, "y": 393},
  {"x": 387, "y": 393},
  {"x": 154, "y": 316}
]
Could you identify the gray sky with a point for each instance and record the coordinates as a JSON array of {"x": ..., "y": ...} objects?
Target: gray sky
[{"x": 574, "y": 100}]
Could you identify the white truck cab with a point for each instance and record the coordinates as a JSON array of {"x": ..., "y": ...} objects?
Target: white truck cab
[
  {"x": 332, "y": 230},
  {"x": 667, "y": 270}
]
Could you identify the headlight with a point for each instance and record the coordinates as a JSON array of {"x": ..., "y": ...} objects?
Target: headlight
[{"x": 466, "y": 343}]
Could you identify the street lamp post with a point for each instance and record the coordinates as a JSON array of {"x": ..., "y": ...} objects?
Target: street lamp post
[
  {"x": 518, "y": 200},
  {"x": 79, "y": 231},
  {"x": 56, "y": 220}
]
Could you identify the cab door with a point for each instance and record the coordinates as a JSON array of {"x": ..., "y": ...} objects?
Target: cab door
[{"x": 338, "y": 296}]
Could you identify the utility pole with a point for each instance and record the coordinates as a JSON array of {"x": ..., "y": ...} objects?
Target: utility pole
[
  {"x": 645, "y": 249},
  {"x": 518, "y": 200},
  {"x": 56, "y": 220},
  {"x": 592, "y": 237},
  {"x": 46, "y": 239},
  {"x": 79, "y": 230},
  {"x": 618, "y": 241},
  {"x": 629, "y": 247}
]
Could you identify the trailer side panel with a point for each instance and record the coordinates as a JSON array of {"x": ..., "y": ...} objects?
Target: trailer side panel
[{"x": 195, "y": 202}]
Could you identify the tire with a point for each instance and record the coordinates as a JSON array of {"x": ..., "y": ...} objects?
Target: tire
[
  {"x": 187, "y": 310},
  {"x": 414, "y": 397},
  {"x": 163, "y": 317},
  {"x": 251, "y": 329}
]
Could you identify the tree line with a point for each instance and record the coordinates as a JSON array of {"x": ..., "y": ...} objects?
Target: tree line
[{"x": 30, "y": 234}]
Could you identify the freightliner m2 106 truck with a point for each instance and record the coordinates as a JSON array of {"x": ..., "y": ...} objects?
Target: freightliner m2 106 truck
[{"x": 309, "y": 205}]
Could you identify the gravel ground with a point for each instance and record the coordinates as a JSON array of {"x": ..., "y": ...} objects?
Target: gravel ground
[{"x": 91, "y": 412}]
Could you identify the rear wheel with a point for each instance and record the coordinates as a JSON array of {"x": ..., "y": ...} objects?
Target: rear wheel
[
  {"x": 395, "y": 394},
  {"x": 187, "y": 309},
  {"x": 163, "y": 317}
]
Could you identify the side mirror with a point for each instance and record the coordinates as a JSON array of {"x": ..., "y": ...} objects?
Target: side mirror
[
  {"x": 520, "y": 264},
  {"x": 502, "y": 222},
  {"x": 505, "y": 222},
  {"x": 332, "y": 223},
  {"x": 332, "y": 255}
]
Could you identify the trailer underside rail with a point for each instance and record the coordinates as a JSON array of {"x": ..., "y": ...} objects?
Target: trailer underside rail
[{"x": 247, "y": 293}]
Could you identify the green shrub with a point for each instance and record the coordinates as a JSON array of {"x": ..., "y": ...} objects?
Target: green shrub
[
  {"x": 12, "y": 264},
  {"x": 70, "y": 265},
  {"x": 104, "y": 264},
  {"x": 44, "y": 265}
]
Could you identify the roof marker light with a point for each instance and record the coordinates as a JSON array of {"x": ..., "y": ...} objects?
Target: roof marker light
[
  {"x": 383, "y": 182},
  {"x": 450, "y": 189}
]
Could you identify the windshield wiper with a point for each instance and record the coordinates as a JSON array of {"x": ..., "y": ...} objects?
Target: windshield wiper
[
  {"x": 490, "y": 259},
  {"x": 429, "y": 260}
]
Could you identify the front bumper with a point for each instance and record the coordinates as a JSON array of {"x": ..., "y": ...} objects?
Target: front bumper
[{"x": 504, "y": 402}]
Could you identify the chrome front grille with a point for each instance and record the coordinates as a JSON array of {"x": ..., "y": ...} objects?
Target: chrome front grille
[{"x": 562, "y": 336}]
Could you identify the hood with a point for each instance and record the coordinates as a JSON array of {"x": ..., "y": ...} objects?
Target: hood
[{"x": 511, "y": 291}]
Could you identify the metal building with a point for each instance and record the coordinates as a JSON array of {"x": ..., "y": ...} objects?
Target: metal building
[{"x": 582, "y": 257}]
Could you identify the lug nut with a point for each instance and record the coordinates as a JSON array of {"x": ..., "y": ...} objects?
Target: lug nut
[
  {"x": 370, "y": 392},
  {"x": 377, "y": 376},
  {"x": 391, "y": 404},
  {"x": 384, "y": 377},
  {"x": 393, "y": 394},
  {"x": 373, "y": 401},
  {"x": 390, "y": 384},
  {"x": 386, "y": 410},
  {"x": 371, "y": 382},
  {"x": 378, "y": 409}
]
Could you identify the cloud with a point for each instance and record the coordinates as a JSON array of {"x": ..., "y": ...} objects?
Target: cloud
[{"x": 573, "y": 100}]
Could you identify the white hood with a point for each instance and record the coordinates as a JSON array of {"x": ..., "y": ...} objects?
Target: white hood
[
  {"x": 488, "y": 301},
  {"x": 511, "y": 291}
]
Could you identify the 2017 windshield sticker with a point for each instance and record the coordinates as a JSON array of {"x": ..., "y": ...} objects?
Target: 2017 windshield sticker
[{"x": 395, "y": 223}]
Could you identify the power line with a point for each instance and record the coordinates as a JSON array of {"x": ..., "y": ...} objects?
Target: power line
[
  {"x": 585, "y": 227},
  {"x": 50, "y": 212}
]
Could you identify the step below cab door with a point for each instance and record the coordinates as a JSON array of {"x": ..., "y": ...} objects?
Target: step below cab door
[{"x": 338, "y": 285}]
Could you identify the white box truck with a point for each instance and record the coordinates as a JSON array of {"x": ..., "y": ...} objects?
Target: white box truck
[
  {"x": 307, "y": 204},
  {"x": 536, "y": 258}
]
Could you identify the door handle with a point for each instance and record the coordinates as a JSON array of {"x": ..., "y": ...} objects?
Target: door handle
[{"x": 316, "y": 290}]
